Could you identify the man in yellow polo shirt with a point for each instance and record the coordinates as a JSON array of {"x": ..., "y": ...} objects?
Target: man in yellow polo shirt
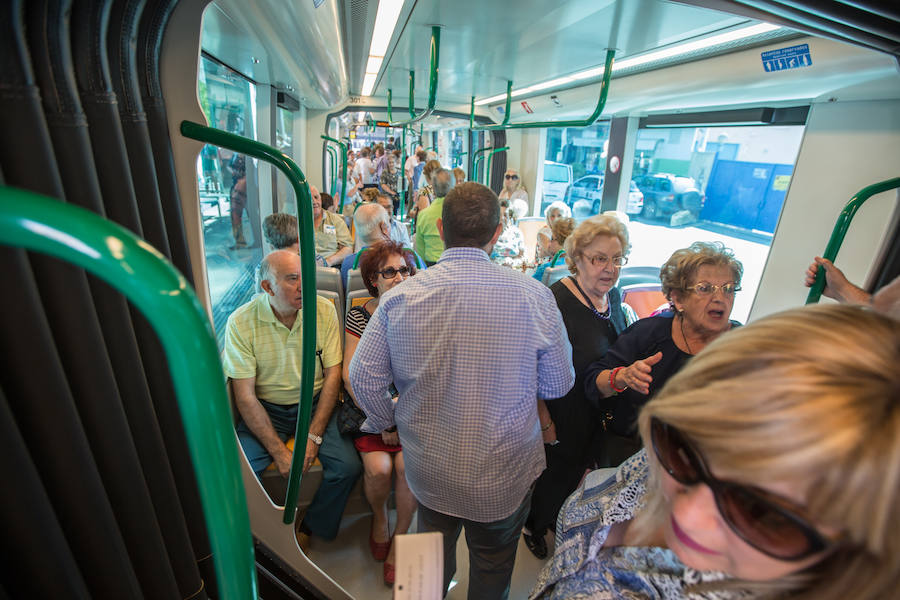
[
  {"x": 331, "y": 233},
  {"x": 262, "y": 357},
  {"x": 429, "y": 244}
]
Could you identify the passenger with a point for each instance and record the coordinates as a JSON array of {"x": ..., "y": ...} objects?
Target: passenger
[
  {"x": 429, "y": 241},
  {"x": 562, "y": 229},
  {"x": 332, "y": 236},
  {"x": 383, "y": 266},
  {"x": 770, "y": 470},
  {"x": 238, "y": 199},
  {"x": 510, "y": 247},
  {"x": 399, "y": 232},
  {"x": 700, "y": 283},
  {"x": 557, "y": 209},
  {"x": 281, "y": 233},
  {"x": 364, "y": 171},
  {"x": 459, "y": 175},
  {"x": 262, "y": 356},
  {"x": 327, "y": 202},
  {"x": 838, "y": 287},
  {"x": 390, "y": 144},
  {"x": 425, "y": 193},
  {"x": 421, "y": 159},
  {"x": 380, "y": 162},
  {"x": 373, "y": 224},
  {"x": 592, "y": 309},
  {"x": 369, "y": 195},
  {"x": 388, "y": 180},
  {"x": 469, "y": 346},
  {"x": 409, "y": 168},
  {"x": 514, "y": 191}
]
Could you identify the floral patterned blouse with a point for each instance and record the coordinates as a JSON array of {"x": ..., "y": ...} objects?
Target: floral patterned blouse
[{"x": 582, "y": 568}]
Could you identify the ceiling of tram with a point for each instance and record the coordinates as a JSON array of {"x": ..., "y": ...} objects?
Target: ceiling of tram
[{"x": 485, "y": 44}]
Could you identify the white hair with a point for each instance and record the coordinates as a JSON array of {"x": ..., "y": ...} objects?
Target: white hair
[{"x": 367, "y": 219}]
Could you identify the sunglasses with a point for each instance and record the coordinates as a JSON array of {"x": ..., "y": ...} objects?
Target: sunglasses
[
  {"x": 511, "y": 176},
  {"x": 391, "y": 272},
  {"x": 761, "y": 519}
]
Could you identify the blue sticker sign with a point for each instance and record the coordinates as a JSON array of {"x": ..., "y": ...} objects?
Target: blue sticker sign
[
  {"x": 317, "y": 3},
  {"x": 786, "y": 58}
]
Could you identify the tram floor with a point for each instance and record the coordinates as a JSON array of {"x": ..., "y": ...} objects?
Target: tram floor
[{"x": 348, "y": 561}]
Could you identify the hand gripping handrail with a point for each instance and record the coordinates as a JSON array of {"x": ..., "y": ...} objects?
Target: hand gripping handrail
[
  {"x": 165, "y": 298},
  {"x": 287, "y": 166},
  {"x": 343, "y": 148},
  {"x": 490, "y": 158},
  {"x": 840, "y": 230},
  {"x": 432, "y": 85},
  {"x": 601, "y": 103}
]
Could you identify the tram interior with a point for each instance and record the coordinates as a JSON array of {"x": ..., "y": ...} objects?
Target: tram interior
[{"x": 697, "y": 98}]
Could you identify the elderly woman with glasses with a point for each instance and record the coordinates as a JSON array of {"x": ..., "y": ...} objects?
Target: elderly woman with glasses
[
  {"x": 594, "y": 315},
  {"x": 383, "y": 266},
  {"x": 770, "y": 470},
  {"x": 700, "y": 283},
  {"x": 514, "y": 191}
]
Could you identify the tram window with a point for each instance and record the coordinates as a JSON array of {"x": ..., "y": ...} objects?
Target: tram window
[
  {"x": 229, "y": 199},
  {"x": 284, "y": 141},
  {"x": 584, "y": 150},
  {"x": 723, "y": 184}
]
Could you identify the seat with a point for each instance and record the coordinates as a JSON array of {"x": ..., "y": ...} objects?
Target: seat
[
  {"x": 338, "y": 303},
  {"x": 529, "y": 227},
  {"x": 329, "y": 279},
  {"x": 554, "y": 274},
  {"x": 357, "y": 298},
  {"x": 355, "y": 282},
  {"x": 644, "y": 298}
]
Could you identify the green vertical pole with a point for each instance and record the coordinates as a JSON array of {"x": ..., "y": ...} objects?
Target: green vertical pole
[
  {"x": 343, "y": 148},
  {"x": 402, "y": 178},
  {"x": 487, "y": 170}
]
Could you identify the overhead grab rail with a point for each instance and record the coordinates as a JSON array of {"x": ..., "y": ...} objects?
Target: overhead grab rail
[
  {"x": 432, "y": 85},
  {"x": 165, "y": 298},
  {"x": 281, "y": 161},
  {"x": 490, "y": 158},
  {"x": 343, "y": 148},
  {"x": 840, "y": 230},
  {"x": 598, "y": 110}
]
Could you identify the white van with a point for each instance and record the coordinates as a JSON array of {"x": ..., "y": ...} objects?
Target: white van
[{"x": 557, "y": 179}]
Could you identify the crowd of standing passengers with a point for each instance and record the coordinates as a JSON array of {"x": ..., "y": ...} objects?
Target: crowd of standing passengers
[{"x": 486, "y": 397}]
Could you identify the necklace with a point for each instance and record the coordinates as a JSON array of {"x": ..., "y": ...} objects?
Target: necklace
[
  {"x": 684, "y": 337},
  {"x": 602, "y": 315}
]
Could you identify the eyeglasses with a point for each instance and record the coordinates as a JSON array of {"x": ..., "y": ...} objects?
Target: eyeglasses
[
  {"x": 758, "y": 517},
  {"x": 708, "y": 289},
  {"x": 391, "y": 272},
  {"x": 601, "y": 260},
  {"x": 507, "y": 176}
]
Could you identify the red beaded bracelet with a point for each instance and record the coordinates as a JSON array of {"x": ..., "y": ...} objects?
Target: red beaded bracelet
[{"x": 612, "y": 380}]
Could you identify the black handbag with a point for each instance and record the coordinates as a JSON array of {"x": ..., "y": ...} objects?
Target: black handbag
[{"x": 349, "y": 416}]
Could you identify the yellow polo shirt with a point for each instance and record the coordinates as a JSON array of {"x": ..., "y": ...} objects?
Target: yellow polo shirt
[{"x": 259, "y": 345}]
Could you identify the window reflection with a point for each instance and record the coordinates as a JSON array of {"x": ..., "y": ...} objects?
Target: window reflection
[{"x": 229, "y": 198}]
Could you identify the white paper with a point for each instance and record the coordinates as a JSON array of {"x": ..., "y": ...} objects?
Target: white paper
[{"x": 419, "y": 570}]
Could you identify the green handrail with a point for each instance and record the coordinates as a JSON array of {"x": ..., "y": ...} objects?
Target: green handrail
[
  {"x": 307, "y": 282},
  {"x": 477, "y": 158},
  {"x": 459, "y": 157},
  {"x": 343, "y": 148},
  {"x": 332, "y": 154},
  {"x": 601, "y": 103},
  {"x": 490, "y": 157},
  {"x": 432, "y": 84},
  {"x": 556, "y": 257},
  {"x": 152, "y": 284},
  {"x": 840, "y": 230},
  {"x": 506, "y": 112}
]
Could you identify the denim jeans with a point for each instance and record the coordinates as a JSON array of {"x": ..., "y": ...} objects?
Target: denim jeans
[
  {"x": 492, "y": 548},
  {"x": 341, "y": 466}
]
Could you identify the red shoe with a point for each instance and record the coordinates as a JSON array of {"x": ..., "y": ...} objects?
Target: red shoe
[
  {"x": 379, "y": 549},
  {"x": 388, "y": 574}
]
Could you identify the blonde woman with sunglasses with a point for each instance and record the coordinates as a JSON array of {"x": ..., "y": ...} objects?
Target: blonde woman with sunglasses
[{"x": 770, "y": 469}]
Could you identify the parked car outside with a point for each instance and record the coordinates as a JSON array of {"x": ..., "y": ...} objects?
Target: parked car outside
[
  {"x": 557, "y": 179},
  {"x": 635, "y": 203},
  {"x": 587, "y": 192},
  {"x": 666, "y": 194}
]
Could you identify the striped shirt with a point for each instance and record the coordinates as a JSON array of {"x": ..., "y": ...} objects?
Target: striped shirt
[{"x": 470, "y": 346}]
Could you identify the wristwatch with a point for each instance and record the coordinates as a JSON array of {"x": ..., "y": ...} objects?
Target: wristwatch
[{"x": 316, "y": 439}]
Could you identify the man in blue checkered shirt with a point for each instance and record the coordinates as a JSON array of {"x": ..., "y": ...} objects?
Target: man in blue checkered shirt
[{"x": 470, "y": 346}]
